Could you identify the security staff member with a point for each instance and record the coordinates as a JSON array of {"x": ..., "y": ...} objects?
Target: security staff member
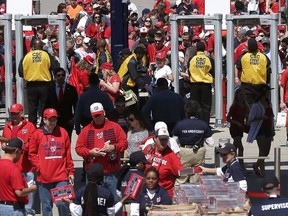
[
  {"x": 274, "y": 205},
  {"x": 254, "y": 68},
  {"x": 13, "y": 191},
  {"x": 201, "y": 78},
  {"x": 192, "y": 132},
  {"x": 36, "y": 69},
  {"x": 128, "y": 71}
]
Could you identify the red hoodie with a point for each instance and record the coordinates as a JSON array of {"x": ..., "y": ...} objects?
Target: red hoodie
[
  {"x": 91, "y": 137},
  {"x": 51, "y": 155},
  {"x": 24, "y": 132}
]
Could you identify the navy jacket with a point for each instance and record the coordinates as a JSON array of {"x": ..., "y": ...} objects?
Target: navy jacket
[
  {"x": 161, "y": 198},
  {"x": 105, "y": 199}
]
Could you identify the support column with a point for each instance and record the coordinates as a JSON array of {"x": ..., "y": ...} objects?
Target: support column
[{"x": 174, "y": 52}]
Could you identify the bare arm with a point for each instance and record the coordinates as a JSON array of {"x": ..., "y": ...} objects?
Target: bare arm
[{"x": 26, "y": 191}]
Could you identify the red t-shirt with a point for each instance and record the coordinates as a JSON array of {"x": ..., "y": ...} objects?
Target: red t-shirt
[
  {"x": 200, "y": 5},
  {"x": 244, "y": 47},
  {"x": 152, "y": 51},
  {"x": 107, "y": 32},
  {"x": 284, "y": 79},
  {"x": 167, "y": 163},
  {"x": 114, "y": 78},
  {"x": 275, "y": 7},
  {"x": 11, "y": 179}
]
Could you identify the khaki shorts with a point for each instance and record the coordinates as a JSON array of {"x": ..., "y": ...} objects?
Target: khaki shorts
[{"x": 189, "y": 159}]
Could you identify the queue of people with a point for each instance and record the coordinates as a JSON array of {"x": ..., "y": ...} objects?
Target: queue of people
[{"x": 90, "y": 95}]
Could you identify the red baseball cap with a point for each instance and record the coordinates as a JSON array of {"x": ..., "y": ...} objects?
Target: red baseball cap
[
  {"x": 106, "y": 65},
  {"x": 49, "y": 113},
  {"x": 89, "y": 59},
  {"x": 16, "y": 108},
  {"x": 282, "y": 27},
  {"x": 161, "y": 55},
  {"x": 159, "y": 25},
  {"x": 56, "y": 46}
]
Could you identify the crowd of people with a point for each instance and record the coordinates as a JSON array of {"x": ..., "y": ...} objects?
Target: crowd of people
[{"x": 166, "y": 133}]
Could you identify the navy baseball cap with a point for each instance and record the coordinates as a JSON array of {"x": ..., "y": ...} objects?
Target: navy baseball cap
[
  {"x": 15, "y": 143},
  {"x": 227, "y": 148},
  {"x": 137, "y": 157},
  {"x": 269, "y": 182}
]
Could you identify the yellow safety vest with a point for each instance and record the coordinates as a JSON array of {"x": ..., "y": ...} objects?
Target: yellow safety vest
[
  {"x": 36, "y": 66},
  {"x": 124, "y": 69},
  {"x": 200, "y": 66},
  {"x": 254, "y": 68}
]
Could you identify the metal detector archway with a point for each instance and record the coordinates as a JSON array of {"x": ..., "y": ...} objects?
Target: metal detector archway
[
  {"x": 6, "y": 20},
  {"x": 252, "y": 20},
  {"x": 21, "y": 20},
  {"x": 195, "y": 20}
]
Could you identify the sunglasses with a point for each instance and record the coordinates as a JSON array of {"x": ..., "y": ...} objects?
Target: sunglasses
[
  {"x": 96, "y": 17},
  {"x": 131, "y": 119},
  {"x": 158, "y": 41},
  {"x": 147, "y": 20},
  {"x": 60, "y": 75},
  {"x": 54, "y": 41}
]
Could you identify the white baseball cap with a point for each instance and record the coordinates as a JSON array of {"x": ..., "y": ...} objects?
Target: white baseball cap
[
  {"x": 96, "y": 109},
  {"x": 86, "y": 40},
  {"x": 160, "y": 124},
  {"x": 162, "y": 133}
]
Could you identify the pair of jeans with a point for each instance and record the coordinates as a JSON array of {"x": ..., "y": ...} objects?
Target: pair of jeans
[
  {"x": 110, "y": 181},
  {"x": 46, "y": 199},
  {"x": 29, "y": 176},
  {"x": 10, "y": 210}
]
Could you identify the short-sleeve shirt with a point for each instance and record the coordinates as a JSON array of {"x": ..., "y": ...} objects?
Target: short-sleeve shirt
[
  {"x": 162, "y": 72},
  {"x": 232, "y": 172},
  {"x": 11, "y": 179},
  {"x": 191, "y": 131},
  {"x": 284, "y": 79}
]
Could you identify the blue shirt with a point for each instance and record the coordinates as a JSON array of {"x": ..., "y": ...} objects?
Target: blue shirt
[
  {"x": 191, "y": 131},
  {"x": 273, "y": 206},
  {"x": 234, "y": 171}
]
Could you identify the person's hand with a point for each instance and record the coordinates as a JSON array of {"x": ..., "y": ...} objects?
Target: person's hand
[
  {"x": 237, "y": 81},
  {"x": 109, "y": 148},
  {"x": 123, "y": 200},
  {"x": 203, "y": 170},
  {"x": 282, "y": 106},
  {"x": 95, "y": 152},
  {"x": 67, "y": 200},
  {"x": 71, "y": 179},
  {"x": 102, "y": 83},
  {"x": 33, "y": 188}
]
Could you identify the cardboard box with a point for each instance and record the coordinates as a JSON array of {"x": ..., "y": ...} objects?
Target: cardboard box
[
  {"x": 66, "y": 192},
  {"x": 134, "y": 186}
]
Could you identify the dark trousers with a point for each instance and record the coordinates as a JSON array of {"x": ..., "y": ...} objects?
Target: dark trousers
[
  {"x": 66, "y": 125},
  {"x": 37, "y": 93},
  {"x": 201, "y": 92}
]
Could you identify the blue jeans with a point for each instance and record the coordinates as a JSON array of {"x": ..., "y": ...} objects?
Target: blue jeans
[
  {"x": 8, "y": 210},
  {"x": 46, "y": 199},
  {"x": 111, "y": 181},
  {"x": 29, "y": 207}
]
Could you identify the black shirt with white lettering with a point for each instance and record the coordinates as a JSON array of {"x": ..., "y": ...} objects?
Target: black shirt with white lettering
[
  {"x": 191, "y": 131},
  {"x": 273, "y": 206},
  {"x": 105, "y": 199}
]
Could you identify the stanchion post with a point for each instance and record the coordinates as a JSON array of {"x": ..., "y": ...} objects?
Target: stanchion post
[
  {"x": 19, "y": 56},
  {"x": 7, "y": 20},
  {"x": 174, "y": 51},
  {"x": 277, "y": 159},
  {"x": 62, "y": 40},
  {"x": 230, "y": 60},
  {"x": 218, "y": 71}
]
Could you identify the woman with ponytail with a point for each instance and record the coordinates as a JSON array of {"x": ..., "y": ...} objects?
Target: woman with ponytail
[{"x": 94, "y": 199}]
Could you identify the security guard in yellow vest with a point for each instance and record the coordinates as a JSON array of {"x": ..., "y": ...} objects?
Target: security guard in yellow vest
[
  {"x": 201, "y": 78},
  {"x": 253, "y": 70},
  {"x": 36, "y": 69},
  {"x": 128, "y": 71},
  {"x": 102, "y": 55}
]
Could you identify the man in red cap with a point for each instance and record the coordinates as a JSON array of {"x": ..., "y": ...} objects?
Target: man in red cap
[
  {"x": 50, "y": 154},
  {"x": 20, "y": 127},
  {"x": 102, "y": 141}
]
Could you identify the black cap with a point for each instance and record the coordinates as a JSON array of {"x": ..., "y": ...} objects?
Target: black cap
[
  {"x": 227, "y": 148},
  {"x": 137, "y": 157},
  {"x": 15, "y": 143},
  {"x": 95, "y": 170},
  {"x": 92, "y": 43},
  {"x": 269, "y": 182},
  {"x": 162, "y": 82},
  {"x": 125, "y": 51},
  {"x": 250, "y": 33},
  {"x": 252, "y": 45}
]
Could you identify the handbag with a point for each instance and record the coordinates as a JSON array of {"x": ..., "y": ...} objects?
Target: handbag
[
  {"x": 130, "y": 97},
  {"x": 281, "y": 119}
]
